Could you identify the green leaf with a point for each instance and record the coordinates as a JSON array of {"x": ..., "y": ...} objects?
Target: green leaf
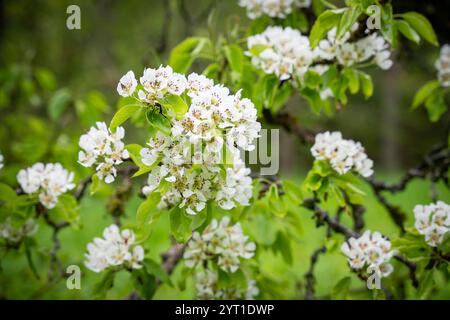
[
  {"x": 235, "y": 57},
  {"x": 180, "y": 225},
  {"x": 424, "y": 92},
  {"x": 326, "y": 21},
  {"x": 353, "y": 80},
  {"x": 144, "y": 283},
  {"x": 158, "y": 121},
  {"x": 45, "y": 78},
  {"x": 123, "y": 114},
  {"x": 313, "y": 98},
  {"x": 157, "y": 270},
  {"x": 348, "y": 18},
  {"x": 28, "y": 245},
  {"x": 407, "y": 31},
  {"x": 366, "y": 84},
  {"x": 341, "y": 289},
  {"x": 283, "y": 245},
  {"x": 176, "y": 103},
  {"x": 58, "y": 103},
  {"x": 435, "y": 105},
  {"x": 426, "y": 284},
  {"x": 135, "y": 155},
  {"x": 421, "y": 24},
  {"x": 105, "y": 283},
  {"x": 95, "y": 184},
  {"x": 67, "y": 208},
  {"x": 184, "y": 54},
  {"x": 147, "y": 209}
]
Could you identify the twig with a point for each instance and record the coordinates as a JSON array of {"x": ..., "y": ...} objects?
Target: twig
[
  {"x": 309, "y": 276},
  {"x": 290, "y": 124}
]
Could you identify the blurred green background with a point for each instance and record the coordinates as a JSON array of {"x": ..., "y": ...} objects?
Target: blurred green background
[{"x": 55, "y": 83}]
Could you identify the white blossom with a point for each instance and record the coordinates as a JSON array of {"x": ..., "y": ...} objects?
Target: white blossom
[
  {"x": 221, "y": 242},
  {"x": 116, "y": 248},
  {"x": 1, "y": 160},
  {"x": 286, "y": 53},
  {"x": 104, "y": 149},
  {"x": 48, "y": 181},
  {"x": 433, "y": 221},
  {"x": 206, "y": 284},
  {"x": 15, "y": 234},
  {"x": 343, "y": 155},
  {"x": 369, "y": 250},
  {"x": 272, "y": 8},
  {"x": 217, "y": 123},
  {"x": 443, "y": 66},
  {"x": 127, "y": 84}
]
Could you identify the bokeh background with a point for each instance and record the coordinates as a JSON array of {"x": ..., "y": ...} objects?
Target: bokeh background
[{"x": 55, "y": 83}]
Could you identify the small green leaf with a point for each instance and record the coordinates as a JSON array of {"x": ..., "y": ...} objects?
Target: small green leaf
[
  {"x": 105, "y": 283},
  {"x": 123, "y": 114},
  {"x": 147, "y": 210},
  {"x": 144, "y": 283},
  {"x": 341, "y": 289},
  {"x": 407, "y": 31},
  {"x": 158, "y": 121},
  {"x": 184, "y": 54},
  {"x": 435, "y": 105},
  {"x": 58, "y": 103},
  {"x": 348, "y": 18},
  {"x": 176, "y": 103},
  {"x": 157, "y": 270},
  {"x": 366, "y": 84},
  {"x": 235, "y": 57},
  {"x": 325, "y": 22},
  {"x": 421, "y": 24},
  {"x": 424, "y": 92}
]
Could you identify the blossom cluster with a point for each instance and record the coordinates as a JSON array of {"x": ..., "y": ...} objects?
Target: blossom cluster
[
  {"x": 104, "y": 149},
  {"x": 443, "y": 66},
  {"x": 116, "y": 248},
  {"x": 1, "y": 160},
  {"x": 433, "y": 221},
  {"x": 343, "y": 155},
  {"x": 369, "y": 250},
  {"x": 206, "y": 284},
  {"x": 15, "y": 234},
  {"x": 272, "y": 8},
  {"x": 221, "y": 242},
  {"x": 287, "y": 53},
  {"x": 49, "y": 181},
  {"x": 216, "y": 123}
]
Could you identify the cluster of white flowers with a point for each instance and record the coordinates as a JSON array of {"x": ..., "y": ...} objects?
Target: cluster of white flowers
[
  {"x": 433, "y": 221},
  {"x": 288, "y": 54},
  {"x": 155, "y": 82},
  {"x": 443, "y": 66},
  {"x": 15, "y": 234},
  {"x": 216, "y": 122},
  {"x": 220, "y": 242},
  {"x": 104, "y": 149},
  {"x": 116, "y": 248},
  {"x": 373, "y": 48},
  {"x": 369, "y": 250},
  {"x": 1, "y": 160},
  {"x": 48, "y": 180},
  {"x": 207, "y": 289},
  {"x": 272, "y": 8},
  {"x": 343, "y": 155}
]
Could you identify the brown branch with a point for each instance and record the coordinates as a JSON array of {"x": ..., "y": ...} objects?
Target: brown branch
[
  {"x": 434, "y": 166},
  {"x": 309, "y": 276},
  {"x": 172, "y": 256},
  {"x": 290, "y": 124}
]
